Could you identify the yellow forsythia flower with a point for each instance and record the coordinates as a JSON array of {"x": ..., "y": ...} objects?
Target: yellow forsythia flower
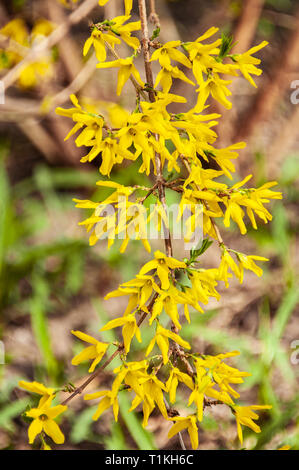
[
  {"x": 126, "y": 69},
  {"x": 162, "y": 264},
  {"x": 43, "y": 420},
  {"x": 108, "y": 399}
]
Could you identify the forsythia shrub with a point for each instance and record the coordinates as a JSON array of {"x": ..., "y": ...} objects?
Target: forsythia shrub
[{"x": 179, "y": 143}]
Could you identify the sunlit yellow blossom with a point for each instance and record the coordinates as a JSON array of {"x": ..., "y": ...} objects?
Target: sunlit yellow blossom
[
  {"x": 188, "y": 423},
  {"x": 253, "y": 199},
  {"x": 95, "y": 352},
  {"x": 197, "y": 395},
  {"x": 130, "y": 329},
  {"x": 132, "y": 134},
  {"x": 203, "y": 284},
  {"x": 224, "y": 156},
  {"x": 125, "y": 30},
  {"x": 116, "y": 217},
  {"x": 111, "y": 154},
  {"x": 237, "y": 214},
  {"x": 118, "y": 29},
  {"x": 43, "y": 420},
  {"x": 29, "y": 74},
  {"x": 41, "y": 28},
  {"x": 17, "y": 30},
  {"x": 97, "y": 40},
  {"x": 222, "y": 374},
  {"x": 245, "y": 416},
  {"x": 93, "y": 124},
  {"x": 162, "y": 337}
]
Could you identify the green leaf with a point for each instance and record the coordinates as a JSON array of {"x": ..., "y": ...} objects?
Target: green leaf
[
  {"x": 10, "y": 411},
  {"x": 116, "y": 441},
  {"x": 226, "y": 46}
]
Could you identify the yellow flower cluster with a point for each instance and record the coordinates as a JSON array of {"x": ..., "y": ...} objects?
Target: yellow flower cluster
[{"x": 161, "y": 140}]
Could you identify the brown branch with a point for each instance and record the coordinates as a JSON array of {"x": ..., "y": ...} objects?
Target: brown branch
[
  {"x": 154, "y": 17},
  {"x": 80, "y": 389},
  {"x": 273, "y": 89},
  {"x": 145, "y": 48},
  {"x": 119, "y": 350},
  {"x": 160, "y": 184},
  {"x": 137, "y": 87}
]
